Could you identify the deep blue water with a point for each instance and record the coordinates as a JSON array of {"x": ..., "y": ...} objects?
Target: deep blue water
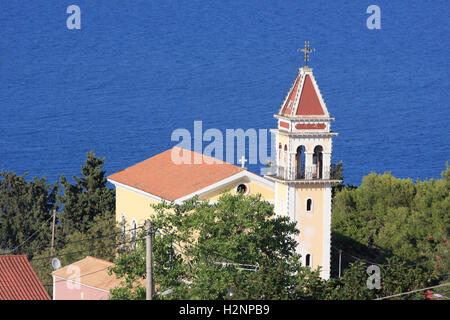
[{"x": 137, "y": 70}]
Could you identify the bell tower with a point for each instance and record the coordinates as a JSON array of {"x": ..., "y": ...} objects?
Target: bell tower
[{"x": 302, "y": 171}]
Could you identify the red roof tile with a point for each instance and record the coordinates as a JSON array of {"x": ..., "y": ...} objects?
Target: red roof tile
[
  {"x": 289, "y": 104},
  {"x": 309, "y": 104},
  {"x": 162, "y": 177},
  {"x": 18, "y": 281},
  {"x": 303, "y": 99}
]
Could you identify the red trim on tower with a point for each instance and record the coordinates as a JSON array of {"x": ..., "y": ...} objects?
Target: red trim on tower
[
  {"x": 308, "y": 126},
  {"x": 309, "y": 104},
  {"x": 284, "y": 125}
]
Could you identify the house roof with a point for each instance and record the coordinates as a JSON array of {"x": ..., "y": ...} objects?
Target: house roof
[
  {"x": 304, "y": 98},
  {"x": 91, "y": 271},
  {"x": 164, "y": 176},
  {"x": 18, "y": 280}
]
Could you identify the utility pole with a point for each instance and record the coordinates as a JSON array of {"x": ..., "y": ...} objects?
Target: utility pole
[
  {"x": 53, "y": 231},
  {"x": 340, "y": 252},
  {"x": 149, "y": 262}
]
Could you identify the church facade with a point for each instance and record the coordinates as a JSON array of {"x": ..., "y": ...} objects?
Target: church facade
[{"x": 298, "y": 184}]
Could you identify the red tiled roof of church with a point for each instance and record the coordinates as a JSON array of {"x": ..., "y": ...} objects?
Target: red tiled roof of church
[{"x": 161, "y": 177}]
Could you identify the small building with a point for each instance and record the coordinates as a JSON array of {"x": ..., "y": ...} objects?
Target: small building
[
  {"x": 87, "y": 279},
  {"x": 18, "y": 280}
]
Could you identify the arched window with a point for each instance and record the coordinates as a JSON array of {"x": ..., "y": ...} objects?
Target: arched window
[
  {"x": 309, "y": 205},
  {"x": 318, "y": 162},
  {"x": 123, "y": 229},
  {"x": 242, "y": 188},
  {"x": 133, "y": 234},
  {"x": 308, "y": 260},
  {"x": 123, "y": 224},
  {"x": 300, "y": 163}
]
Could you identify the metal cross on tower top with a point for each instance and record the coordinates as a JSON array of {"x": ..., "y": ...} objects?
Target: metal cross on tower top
[{"x": 307, "y": 50}]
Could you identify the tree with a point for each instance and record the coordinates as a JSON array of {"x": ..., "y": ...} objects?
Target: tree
[
  {"x": 87, "y": 198},
  {"x": 395, "y": 277},
  {"x": 236, "y": 248},
  {"x": 392, "y": 217},
  {"x": 86, "y": 224},
  {"x": 337, "y": 173},
  {"x": 25, "y": 213}
]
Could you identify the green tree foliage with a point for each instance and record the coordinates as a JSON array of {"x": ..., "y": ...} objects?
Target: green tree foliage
[
  {"x": 100, "y": 240},
  {"x": 395, "y": 217},
  {"x": 337, "y": 173},
  {"x": 25, "y": 213},
  {"x": 88, "y": 197},
  {"x": 168, "y": 268},
  {"x": 395, "y": 277},
  {"x": 86, "y": 225},
  {"x": 202, "y": 249}
]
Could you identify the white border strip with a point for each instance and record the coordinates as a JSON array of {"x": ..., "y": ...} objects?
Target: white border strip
[
  {"x": 146, "y": 194},
  {"x": 252, "y": 176}
]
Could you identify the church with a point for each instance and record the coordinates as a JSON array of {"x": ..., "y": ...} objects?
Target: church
[{"x": 298, "y": 185}]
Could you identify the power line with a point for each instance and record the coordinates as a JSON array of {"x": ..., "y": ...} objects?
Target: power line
[
  {"x": 34, "y": 233},
  {"x": 376, "y": 263},
  {"x": 102, "y": 236},
  {"x": 84, "y": 250},
  {"x": 88, "y": 239},
  {"x": 78, "y": 277},
  {"x": 413, "y": 291},
  {"x": 239, "y": 266}
]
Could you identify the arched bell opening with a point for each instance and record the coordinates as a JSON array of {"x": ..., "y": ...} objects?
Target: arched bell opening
[
  {"x": 318, "y": 162},
  {"x": 300, "y": 163}
]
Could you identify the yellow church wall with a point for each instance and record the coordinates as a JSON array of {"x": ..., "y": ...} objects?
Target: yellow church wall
[
  {"x": 137, "y": 206},
  {"x": 282, "y": 139},
  {"x": 311, "y": 224},
  {"x": 133, "y": 205},
  {"x": 280, "y": 206}
]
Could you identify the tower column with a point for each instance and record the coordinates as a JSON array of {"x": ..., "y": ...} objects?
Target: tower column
[
  {"x": 326, "y": 158},
  {"x": 292, "y": 164},
  {"x": 308, "y": 165}
]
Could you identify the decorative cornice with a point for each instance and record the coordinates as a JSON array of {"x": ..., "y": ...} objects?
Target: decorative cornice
[
  {"x": 321, "y": 134},
  {"x": 303, "y": 118},
  {"x": 304, "y": 181}
]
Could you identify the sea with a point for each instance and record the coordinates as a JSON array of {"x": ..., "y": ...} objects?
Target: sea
[{"x": 138, "y": 70}]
